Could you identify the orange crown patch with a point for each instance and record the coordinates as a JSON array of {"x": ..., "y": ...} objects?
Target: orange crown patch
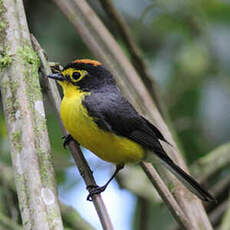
[{"x": 88, "y": 61}]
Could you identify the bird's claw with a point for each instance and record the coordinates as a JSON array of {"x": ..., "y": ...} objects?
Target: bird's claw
[
  {"x": 67, "y": 138},
  {"x": 94, "y": 189}
]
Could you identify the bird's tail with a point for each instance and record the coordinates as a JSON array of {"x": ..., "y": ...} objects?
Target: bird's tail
[{"x": 186, "y": 179}]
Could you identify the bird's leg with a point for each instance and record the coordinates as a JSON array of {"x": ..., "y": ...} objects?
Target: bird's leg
[
  {"x": 95, "y": 189},
  {"x": 67, "y": 138}
]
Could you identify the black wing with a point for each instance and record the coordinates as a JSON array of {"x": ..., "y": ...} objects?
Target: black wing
[{"x": 112, "y": 112}]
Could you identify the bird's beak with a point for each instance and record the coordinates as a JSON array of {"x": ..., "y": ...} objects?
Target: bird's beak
[{"x": 56, "y": 76}]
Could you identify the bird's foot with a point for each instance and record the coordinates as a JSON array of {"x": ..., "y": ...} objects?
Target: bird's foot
[
  {"x": 67, "y": 138},
  {"x": 94, "y": 189}
]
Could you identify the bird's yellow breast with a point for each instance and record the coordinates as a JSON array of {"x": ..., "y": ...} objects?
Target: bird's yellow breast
[{"x": 106, "y": 145}]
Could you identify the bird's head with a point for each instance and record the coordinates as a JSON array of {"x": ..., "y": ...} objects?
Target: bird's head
[{"x": 83, "y": 74}]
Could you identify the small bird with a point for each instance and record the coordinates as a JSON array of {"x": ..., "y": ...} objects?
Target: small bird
[{"x": 99, "y": 118}]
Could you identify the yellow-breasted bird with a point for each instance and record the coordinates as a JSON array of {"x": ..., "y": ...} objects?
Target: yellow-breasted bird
[{"x": 99, "y": 118}]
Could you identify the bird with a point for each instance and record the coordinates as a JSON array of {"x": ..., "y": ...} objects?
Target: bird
[{"x": 98, "y": 117}]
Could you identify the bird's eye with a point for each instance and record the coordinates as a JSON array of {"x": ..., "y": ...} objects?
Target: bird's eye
[{"x": 76, "y": 75}]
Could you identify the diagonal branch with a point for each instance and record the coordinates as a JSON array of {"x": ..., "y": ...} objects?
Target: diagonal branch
[
  {"x": 212, "y": 162},
  {"x": 80, "y": 161},
  {"x": 105, "y": 48}
]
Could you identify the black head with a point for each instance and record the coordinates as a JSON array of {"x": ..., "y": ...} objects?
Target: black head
[{"x": 85, "y": 74}]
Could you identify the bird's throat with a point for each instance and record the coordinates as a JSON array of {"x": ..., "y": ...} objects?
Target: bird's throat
[{"x": 70, "y": 90}]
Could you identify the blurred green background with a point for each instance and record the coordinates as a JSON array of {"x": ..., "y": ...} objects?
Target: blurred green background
[{"x": 186, "y": 46}]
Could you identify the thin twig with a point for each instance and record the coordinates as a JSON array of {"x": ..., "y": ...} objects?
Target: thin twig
[
  {"x": 80, "y": 161},
  {"x": 24, "y": 113},
  {"x": 106, "y": 49}
]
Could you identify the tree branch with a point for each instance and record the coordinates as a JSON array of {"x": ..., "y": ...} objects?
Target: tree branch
[
  {"x": 80, "y": 161},
  {"x": 106, "y": 49},
  {"x": 24, "y": 113},
  {"x": 212, "y": 162}
]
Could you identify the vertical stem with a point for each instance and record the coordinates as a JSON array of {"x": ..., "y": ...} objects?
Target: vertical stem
[{"x": 26, "y": 124}]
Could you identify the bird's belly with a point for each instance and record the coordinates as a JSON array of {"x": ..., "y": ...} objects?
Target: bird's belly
[{"x": 107, "y": 146}]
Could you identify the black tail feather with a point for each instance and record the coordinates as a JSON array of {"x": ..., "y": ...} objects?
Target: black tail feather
[{"x": 186, "y": 179}]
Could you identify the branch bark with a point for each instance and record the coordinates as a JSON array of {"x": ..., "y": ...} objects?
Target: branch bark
[
  {"x": 24, "y": 113},
  {"x": 106, "y": 49},
  {"x": 80, "y": 161}
]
